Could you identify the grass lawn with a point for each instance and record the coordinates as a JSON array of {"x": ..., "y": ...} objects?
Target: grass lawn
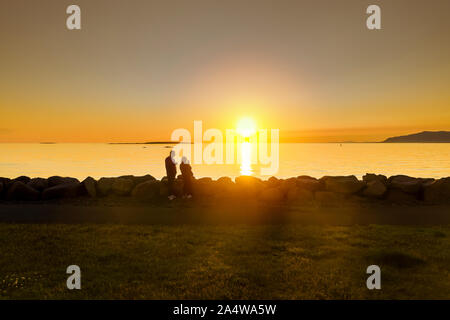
[{"x": 223, "y": 262}]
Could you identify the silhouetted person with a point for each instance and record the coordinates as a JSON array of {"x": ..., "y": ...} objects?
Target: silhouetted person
[
  {"x": 188, "y": 176},
  {"x": 171, "y": 171}
]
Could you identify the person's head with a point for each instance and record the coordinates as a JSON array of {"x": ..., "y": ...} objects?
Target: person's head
[
  {"x": 172, "y": 156},
  {"x": 185, "y": 160}
]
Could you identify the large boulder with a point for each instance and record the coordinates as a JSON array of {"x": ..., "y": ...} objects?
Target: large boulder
[
  {"x": 369, "y": 177},
  {"x": 272, "y": 195},
  {"x": 205, "y": 187},
  {"x": 146, "y": 190},
  {"x": 38, "y": 184},
  {"x": 57, "y": 180},
  {"x": 163, "y": 188},
  {"x": 65, "y": 190},
  {"x": 287, "y": 184},
  {"x": 139, "y": 179},
  {"x": 375, "y": 189},
  {"x": 405, "y": 183},
  {"x": 328, "y": 198},
  {"x": 205, "y": 180},
  {"x": 224, "y": 186},
  {"x": 225, "y": 181},
  {"x": 247, "y": 180},
  {"x": 122, "y": 186},
  {"x": 104, "y": 186},
  {"x": 273, "y": 182},
  {"x": 300, "y": 195},
  {"x": 343, "y": 184},
  {"x": 247, "y": 186},
  {"x": 90, "y": 186},
  {"x": 20, "y": 191},
  {"x": 177, "y": 188},
  {"x": 308, "y": 183},
  {"x": 398, "y": 196},
  {"x": 23, "y": 179},
  {"x": 5, "y": 180},
  {"x": 437, "y": 191}
]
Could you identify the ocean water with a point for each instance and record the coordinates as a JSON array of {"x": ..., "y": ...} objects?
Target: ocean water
[{"x": 314, "y": 159}]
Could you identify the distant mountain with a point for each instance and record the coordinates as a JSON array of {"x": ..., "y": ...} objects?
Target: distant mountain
[{"x": 425, "y": 136}]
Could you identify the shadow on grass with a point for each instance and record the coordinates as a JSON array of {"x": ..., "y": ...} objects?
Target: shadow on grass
[{"x": 396, "y": 259}]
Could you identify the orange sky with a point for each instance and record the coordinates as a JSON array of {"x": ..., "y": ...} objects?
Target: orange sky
[{"x": 137, "y": 71}]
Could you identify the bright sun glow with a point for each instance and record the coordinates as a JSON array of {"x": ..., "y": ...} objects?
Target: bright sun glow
[{"x": 246, "y": 127}]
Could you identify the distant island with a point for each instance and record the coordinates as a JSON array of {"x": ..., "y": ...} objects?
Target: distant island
[{"x": 423, "y": 137}]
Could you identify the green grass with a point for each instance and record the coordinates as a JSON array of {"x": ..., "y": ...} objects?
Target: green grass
[{"x": 223, "y": 262}]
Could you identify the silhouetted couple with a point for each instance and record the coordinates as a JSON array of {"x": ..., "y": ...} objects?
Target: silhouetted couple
[{"x": 186, "y": 174}]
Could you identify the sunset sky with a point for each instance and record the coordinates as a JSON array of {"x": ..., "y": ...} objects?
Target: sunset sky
[{"x": 140, "y": 69}]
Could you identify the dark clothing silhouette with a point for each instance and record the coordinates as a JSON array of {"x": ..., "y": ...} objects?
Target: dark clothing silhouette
[
  {"x": 188, "y": 176},
  {"x": 171, "y": 171}
]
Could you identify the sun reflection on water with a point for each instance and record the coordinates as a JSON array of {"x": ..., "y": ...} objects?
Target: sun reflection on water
[{"x": 246, "y": 159}]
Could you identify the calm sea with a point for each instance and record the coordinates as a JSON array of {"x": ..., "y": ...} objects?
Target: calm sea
[{"x": 102, "y": 160}]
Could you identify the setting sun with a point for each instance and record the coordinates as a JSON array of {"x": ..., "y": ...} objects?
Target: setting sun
[{"x": 246, "y": 127}]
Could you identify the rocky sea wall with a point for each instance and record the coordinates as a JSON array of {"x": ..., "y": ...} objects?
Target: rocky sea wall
[{"x": 296, "y": 190}]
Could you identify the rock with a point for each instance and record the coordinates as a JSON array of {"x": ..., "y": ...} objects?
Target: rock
[
  {"x": 204, "y": 187},
  {"x": 355, "y": 199},
  {"x": 65, "y": 190},
  {"x": 425, "y": 180},
  {"x": 225, "y": 181},
  {"x": 287, "y": 184},
  {"x": 20, "y": 191},
  {"x": 122, "y": 186},
  {"x": 273, "y": 182},
  {"x": 273, "y": 195},
  {"x": 398, "y": 196},
  {"x": 163, "y": 188},
  {"x": 38, "y": 184},
  {"x": 205, "y": 180},
  {"x": 308, "y": 183},
  {"x": 138, "y": 180},
  {"x": 343, "y": 184},
  {"x": 224, "y": 187},
  {"x": 247, "y": 180},
  {"x": 406, "y": 184},
  {"x": 177, "y": 188},
  {"x": 146, "y": 190},
  {"x": 437, "y": 191},
  {"x": 300, "y": 195},
  {"x": 5, "y": 180},
  {"x": 4, "y": 184},
  {"x": 104, "y": 186},
  {"x": 57, "y": 180},
  {"x": 368, "y": 177},
  {"x": 374, "y": 189},
  {"x": 247, "y": 186},
  {"x": 90, "y": 185},
  {"x": 23, "y": 179},
  {"x": 327, "y": 197}
]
